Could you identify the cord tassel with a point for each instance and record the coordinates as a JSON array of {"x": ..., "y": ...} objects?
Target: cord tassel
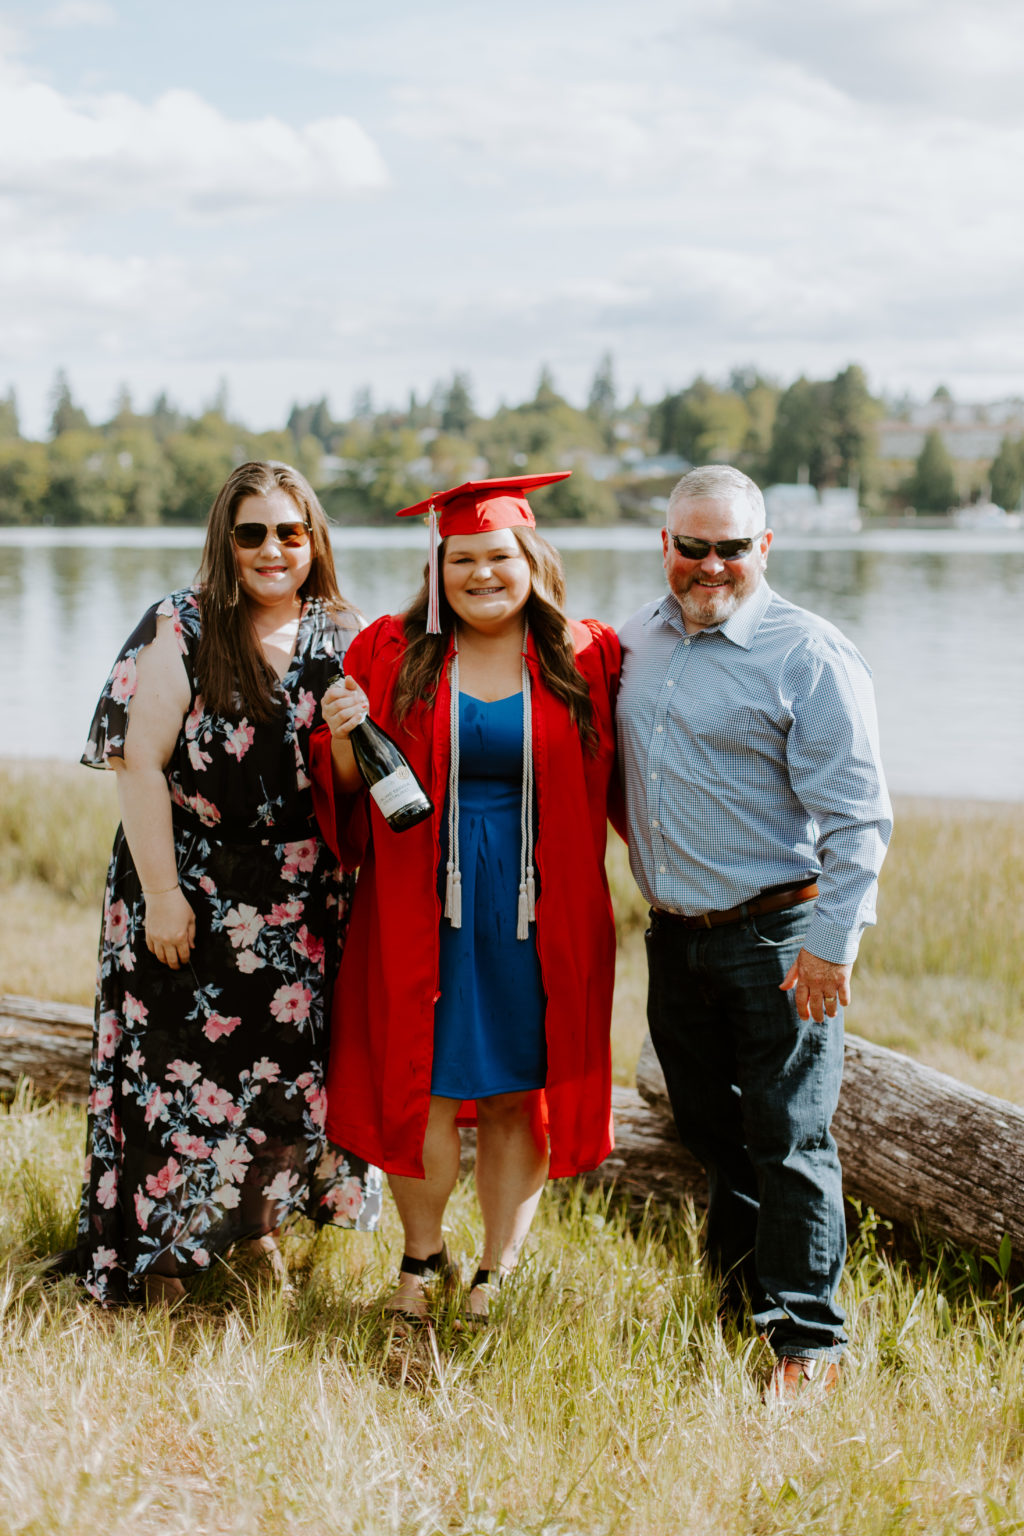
[
  {"x": 453, "y": 898},
  {"x": 523, "y": 914},
  {"x": 433, "y": 601},
  {"x": 531, "y": 896},
  {"x": 453, "y": 885}
]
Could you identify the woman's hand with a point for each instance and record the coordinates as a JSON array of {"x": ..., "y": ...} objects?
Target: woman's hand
[
  {"x": 344, "y": 706},
  {"x": 170, "y": 927}
]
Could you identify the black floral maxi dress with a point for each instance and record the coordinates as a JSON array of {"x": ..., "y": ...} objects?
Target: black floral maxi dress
[{"x": 206, "y": 1110}]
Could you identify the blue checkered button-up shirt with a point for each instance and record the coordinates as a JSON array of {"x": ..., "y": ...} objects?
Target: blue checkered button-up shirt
[{"x": 749, "y": 755}]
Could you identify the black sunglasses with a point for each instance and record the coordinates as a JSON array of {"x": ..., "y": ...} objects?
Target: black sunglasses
[
  {"x": 725, "y": 549},
  {"x": 254, "y": 535}
]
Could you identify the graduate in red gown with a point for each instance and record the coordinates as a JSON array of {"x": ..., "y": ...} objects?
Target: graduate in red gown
[{"x": 477, "y": 980}]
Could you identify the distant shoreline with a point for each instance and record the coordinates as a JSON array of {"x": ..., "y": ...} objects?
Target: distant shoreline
[{"x": 949, "y": 806}]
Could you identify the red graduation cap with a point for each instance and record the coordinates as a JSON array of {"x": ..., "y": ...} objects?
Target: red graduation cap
[{"x": 478, "y": 506}]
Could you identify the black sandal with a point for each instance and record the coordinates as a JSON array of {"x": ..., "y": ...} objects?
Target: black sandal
[
  {"x": 435, "y": 1265},
  {"x": 480, "y": 1279}
]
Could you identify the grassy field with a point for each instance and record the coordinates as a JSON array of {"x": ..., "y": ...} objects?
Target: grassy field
[{"x": 603, "y": 1398}]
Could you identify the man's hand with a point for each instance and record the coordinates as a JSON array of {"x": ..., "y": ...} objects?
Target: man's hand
[{"x": 820, "y": 986}]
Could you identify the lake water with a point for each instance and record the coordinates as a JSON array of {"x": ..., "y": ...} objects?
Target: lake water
[{"x": 939, "y": 616}]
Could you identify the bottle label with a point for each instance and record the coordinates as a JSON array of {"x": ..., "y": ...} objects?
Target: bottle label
[{"x": 396, "y": 791}]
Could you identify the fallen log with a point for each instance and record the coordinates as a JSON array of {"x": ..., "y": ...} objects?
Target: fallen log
[
  {"x": 916, "y": 1145},
  {"x": 47, "y": 1043}
]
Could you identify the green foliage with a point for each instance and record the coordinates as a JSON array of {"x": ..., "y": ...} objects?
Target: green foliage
[
  {"x": 825, "y": 430},
  {"x": 24, "y": 480},
  {"x": 932, "y": 486},
  {"x": 9, "y": 427},
  {"x": 65, "y": 415},
  {"x": 705, "y": 424},
  {"x": 1007, "y": 474},
  {"x": 457, "y": 414}
]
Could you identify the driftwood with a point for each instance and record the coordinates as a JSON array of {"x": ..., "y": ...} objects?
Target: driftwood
[
  {"x": 47, "y": 1043},
  {"x": 915, "y": 1144}
]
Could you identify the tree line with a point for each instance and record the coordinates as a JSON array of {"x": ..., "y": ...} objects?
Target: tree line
[{"x": 164, "y": 466}]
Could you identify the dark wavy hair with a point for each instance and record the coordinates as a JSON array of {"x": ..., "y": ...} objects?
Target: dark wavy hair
[
  {"x": 421, "y": 665},
  {"x": 233, "y": 674}
]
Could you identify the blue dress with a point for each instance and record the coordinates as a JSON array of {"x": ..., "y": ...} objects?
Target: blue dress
[{"x": 489, "y": 1019}]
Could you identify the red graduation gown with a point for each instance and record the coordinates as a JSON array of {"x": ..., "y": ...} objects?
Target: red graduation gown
[{"x": 378, "y": 1081}]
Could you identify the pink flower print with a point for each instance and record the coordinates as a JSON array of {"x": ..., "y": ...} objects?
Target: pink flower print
[
  {"x": 165, "y": 1179},
  {"x": 190, "y": 1146},
  {"x": 286, "y": 912},
  {"x": 182, "y": 1071},
  {"x": 206, "y": 811},
  {"x": 302, "y": 779},
  {"x": 115, "y": 929},
  {"x": 217, "y": 1025},
  {"x": 306, "y": 707},
  {"x": 310, "y": 947},
  {"x": 212, "y": 1103},
  {"x": 124, "y": 680},
  {"x": 290, "y": 1005},
  {"x": 134, "y": 1061},
  {"x": 143, "y": 1207},
  {"x": 232, "y": 1158},
  {"x": 266, "y": 1071},
  {"x": 106, "y": 1189},
  {"x": 104, "y": 1258},
  {"x": 227, "y": 1197},
  {"x": 200, "y": 1257},
  {"x": 234, "y": 1113},
  {"x": 100, "y": 1099},
  {"x": 300, "y": 857},
  {"x": 316, "y": 1098},
  {"x": 207, "y": 885},
  {"x": 258, "y": 1136},
  {"x": 194, "y": 718},
  {"x": 135, "y": 1012},
  {"x": 109, "y": 1032},
  {"x": 243, "y": 924},
  {"x": 345, "y": 1200},
  {"x": 155, "y": 1106},
  {"x": 239, "y": 739},
  {"x": 197, "y": 757},
  {"x": 304, "y": 1080},
  {"x": 167, "y": 610},
  {"x": 248, "y": 961},
  {"x": 281, "y": 1185}
]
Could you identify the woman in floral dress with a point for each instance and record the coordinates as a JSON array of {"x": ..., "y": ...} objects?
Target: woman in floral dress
[{"x": 224, "y": 913}]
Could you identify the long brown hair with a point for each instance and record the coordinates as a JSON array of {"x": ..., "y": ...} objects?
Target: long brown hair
[
  {"x": 424, "y": 657},
  {"x": 231, "y": 670}
]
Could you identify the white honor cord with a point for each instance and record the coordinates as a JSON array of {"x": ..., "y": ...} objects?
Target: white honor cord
[
  {"x": 453, "y": 883},
  {"x": 526, "y": 911}
]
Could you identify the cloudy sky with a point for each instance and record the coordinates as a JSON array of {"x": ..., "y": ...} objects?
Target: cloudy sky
[{"x": 303, "y": 198}]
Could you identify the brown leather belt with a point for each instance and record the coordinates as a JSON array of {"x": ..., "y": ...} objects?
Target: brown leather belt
[{"x": 776, "y": 902}]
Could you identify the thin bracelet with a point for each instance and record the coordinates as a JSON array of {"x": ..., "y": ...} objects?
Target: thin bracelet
[{"x": 166, "y": 892}]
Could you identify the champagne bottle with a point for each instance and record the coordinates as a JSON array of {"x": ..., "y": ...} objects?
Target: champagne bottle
[{"x": 398, "y": 793}]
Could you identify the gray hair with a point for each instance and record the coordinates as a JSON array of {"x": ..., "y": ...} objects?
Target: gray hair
[{"x": 714, "y": 481}]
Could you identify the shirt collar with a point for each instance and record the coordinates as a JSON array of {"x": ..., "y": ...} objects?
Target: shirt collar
[{"x": 740, "y": 627}]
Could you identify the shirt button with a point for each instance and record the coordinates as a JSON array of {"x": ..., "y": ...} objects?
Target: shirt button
[
  {"x": 669, "y": 683},
  {"x": 661, "y": 867},
  {"x": 654, "y": 775},
  {"x": 660, "y": 729},
  {"x": 655, "y": 823},
  {"x": 686, "y": 641}
]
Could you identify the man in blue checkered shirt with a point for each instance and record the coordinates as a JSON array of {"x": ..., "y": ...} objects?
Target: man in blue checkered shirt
[{"x": 758, "y": 821}]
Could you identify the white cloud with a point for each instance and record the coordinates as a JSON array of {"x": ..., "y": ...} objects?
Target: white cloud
[
  {"x": 179, "y": 153},
  {"x": 80, "y": 13}
]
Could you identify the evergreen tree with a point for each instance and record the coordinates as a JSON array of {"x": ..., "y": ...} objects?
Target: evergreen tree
[
  {"x": 457, "y": 413},
  {"x": 9, "y": 427},
  {"x": 932, "y": 486},
  {"x": 65, "y": 415},
  {"x": 799, "y": 434},
  {"x": 601, "y": 399},
  {"x": 1007, "y": 474},
  {"x": 362, "y": 404}
]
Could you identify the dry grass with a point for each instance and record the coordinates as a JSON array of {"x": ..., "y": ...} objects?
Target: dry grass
[{"x": 604, "y": 1399}]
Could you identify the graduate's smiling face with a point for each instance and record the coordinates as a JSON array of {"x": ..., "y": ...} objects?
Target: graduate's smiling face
[{"x": 486, "y": 579}]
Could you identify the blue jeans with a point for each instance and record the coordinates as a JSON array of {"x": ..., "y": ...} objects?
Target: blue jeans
[{"x": 753, "y": 1089}]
